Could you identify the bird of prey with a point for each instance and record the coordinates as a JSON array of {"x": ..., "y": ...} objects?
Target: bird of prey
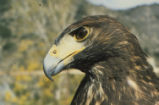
[{"x": 115, "y": 66}]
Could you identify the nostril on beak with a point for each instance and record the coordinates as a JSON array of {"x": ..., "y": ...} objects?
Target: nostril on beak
[{"x": 54, "y": 51}]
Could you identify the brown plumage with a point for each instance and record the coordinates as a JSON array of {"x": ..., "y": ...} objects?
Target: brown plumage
[{"x": 117, "y": 72}]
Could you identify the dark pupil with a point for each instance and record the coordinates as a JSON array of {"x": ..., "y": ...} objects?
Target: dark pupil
[{"x": 81, "y": 33}]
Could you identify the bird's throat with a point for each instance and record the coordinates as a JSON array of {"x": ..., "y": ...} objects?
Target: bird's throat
[{"x": 113, "y": 80}]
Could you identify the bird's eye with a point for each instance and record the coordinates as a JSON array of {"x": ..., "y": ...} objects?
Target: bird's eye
[{"x": 81, "y": 33}]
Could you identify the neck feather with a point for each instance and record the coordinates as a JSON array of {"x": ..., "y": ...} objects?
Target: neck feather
[{"x": 117, "y": 80}]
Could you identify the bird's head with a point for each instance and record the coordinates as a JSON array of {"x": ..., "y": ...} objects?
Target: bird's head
[{"x": 84, "y": 43}]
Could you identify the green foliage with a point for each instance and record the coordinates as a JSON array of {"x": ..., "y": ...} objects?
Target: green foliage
[
  {"x": 4, "y": 5},
  {"x": 156, "y": 54},
  {"x": 9, "y": 47},
  {"x": 81, "y": 10},
  {"x": 5, "y": 32},
  {"x": 31, "y": 36}
]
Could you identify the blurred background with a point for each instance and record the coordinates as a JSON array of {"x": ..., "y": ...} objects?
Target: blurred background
[{"x": 29, "y": 27}]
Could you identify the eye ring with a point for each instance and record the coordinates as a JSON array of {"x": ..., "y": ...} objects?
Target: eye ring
[{"x": 81, "y": 34}]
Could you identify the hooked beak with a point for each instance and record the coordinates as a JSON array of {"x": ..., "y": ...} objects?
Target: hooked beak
[
  {"x": 52, "y": 65},
  {"x": 60, "y": 56}
]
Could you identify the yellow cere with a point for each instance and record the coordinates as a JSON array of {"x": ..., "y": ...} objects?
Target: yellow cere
[
  {"x": 53, "y": 51},
  {"x": 66, "y": 47}
]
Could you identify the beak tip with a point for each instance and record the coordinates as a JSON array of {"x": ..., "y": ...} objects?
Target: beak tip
[
  {"x": 52, "y": 66},
  {"x": 47, "y": 74},
  {"x": 50, "y": 78}
]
